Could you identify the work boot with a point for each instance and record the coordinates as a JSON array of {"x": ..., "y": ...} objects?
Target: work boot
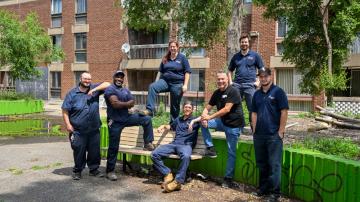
[
  {"x": 111, "y": 176},
  {"x": 146, "y": 112},
  {"x": 227, "y": 183},
  {"x": 167, "y": 179},
  {"x": 76, "y": 175},
  {"x": 210, "y": 152},
  {"x": 149, "y": 146},
  {"x": 260, "y": 193},
  {"x": 172, "y": 186},
  {"x": 96, "y": 173}
]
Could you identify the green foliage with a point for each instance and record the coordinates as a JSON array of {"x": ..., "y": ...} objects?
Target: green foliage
[
  {"x": 11, "y": 95},
  {"x": 162, "y": 119},
  {"x": 305, "y": 44},
  {"x": 246, "y": 113},
  {"x": 345, "y": 148},
  {"x": 24, "y": 44},
  {"x": 307, "y": 114},
  {"x": 351, "y": 114},
  {"x": 161, "y": 109},
  {"x": 202, "y": 24}
]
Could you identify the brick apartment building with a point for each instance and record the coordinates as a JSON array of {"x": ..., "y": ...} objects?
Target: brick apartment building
[{"x": 91, "y": 34}]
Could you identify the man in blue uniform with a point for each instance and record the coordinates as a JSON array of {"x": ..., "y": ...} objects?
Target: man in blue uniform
[
  {"x": 186, "y": 133},
  {"x": 269, "y": 116},
  {"x": 119, "y": 100},
  {"x": 80, "y": 111},
  {"x": 228, "y": 118},
  {"x": 245, "y": 64}
]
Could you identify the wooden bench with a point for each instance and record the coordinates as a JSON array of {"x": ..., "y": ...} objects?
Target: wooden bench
[{"x": 132, "y": 141}]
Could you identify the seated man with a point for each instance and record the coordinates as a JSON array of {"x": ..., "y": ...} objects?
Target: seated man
[
  {"x": 186, "y": 133},
  {"x": 118, "y": 101}
]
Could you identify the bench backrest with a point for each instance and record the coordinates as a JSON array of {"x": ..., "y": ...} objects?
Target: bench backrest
[{"x": 132, "y": 137}]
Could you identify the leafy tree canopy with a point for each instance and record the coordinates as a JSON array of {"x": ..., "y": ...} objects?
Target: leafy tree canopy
[
  {"x": 24, "y": 44},
  {"x": 305, "y": 43},
  {"x": 201, "y": 21}
]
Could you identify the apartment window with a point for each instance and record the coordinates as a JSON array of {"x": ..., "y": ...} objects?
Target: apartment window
[
  {"x": 355, "y": 47},
  {"x": 55, "y": 89},
  {"x": 247, "y": 1},
  {"x": 81, "y": 10},
  {"x": 80, "y": 47},
  {"x": 282, "y": 27},
  {"x": 288, "y": 80},
  {"x": 56, "y": 39},
  {"x": 279, "y": 49},
  {"x": 352, "y": 89},
  {"x": 197, "y": 80},
  {"x": 56, "y": 9},
  {"x": 77, "y": 75},
  {"x": 56, "y": 6}
]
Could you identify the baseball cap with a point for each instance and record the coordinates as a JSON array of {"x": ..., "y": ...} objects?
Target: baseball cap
[
  {"x": 119, "y": 73},
  {"x": 264, "y": 70}
]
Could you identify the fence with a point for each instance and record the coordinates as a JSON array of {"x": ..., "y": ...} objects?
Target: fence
[{"x": 308, "y": 176}]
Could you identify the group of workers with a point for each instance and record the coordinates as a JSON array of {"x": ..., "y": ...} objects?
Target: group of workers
[{"x": 267, "y": 105}]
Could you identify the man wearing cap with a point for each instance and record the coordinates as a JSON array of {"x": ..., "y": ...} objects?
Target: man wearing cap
[
  {"x": 80, "y": 111},
  {"x": 245, "y": 64},
  {"x": 119, "y": 100},
  {"x": 269, "y": 116}
]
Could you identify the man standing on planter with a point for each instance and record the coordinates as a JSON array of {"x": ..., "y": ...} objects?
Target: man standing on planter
[
  {"x": 80, "y": 111},
  {"x": 269, "y": 116}
]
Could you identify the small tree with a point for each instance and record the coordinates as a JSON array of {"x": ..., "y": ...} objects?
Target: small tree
[
  {"x": 24, "y": 44},
  {"x": 318, "y": 39}
]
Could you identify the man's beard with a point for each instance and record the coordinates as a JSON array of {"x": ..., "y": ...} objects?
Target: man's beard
[
  {"x": 267, "y": 84},
  {"x": 84, "y": 86},
  {"x": 118, "y": 84}
]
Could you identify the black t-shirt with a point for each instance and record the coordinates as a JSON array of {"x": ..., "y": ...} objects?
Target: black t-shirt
[{"x": 235, "y": 118}]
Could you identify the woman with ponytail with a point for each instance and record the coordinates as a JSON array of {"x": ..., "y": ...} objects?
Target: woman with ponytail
[{"x": 175, "y": 73}]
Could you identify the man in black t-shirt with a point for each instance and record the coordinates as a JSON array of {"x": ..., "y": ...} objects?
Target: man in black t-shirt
[{"x": 228, "y": 118}]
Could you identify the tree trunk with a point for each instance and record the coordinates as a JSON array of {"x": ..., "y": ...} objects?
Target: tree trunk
[
  {"x": 234, "y": 29},
  {"x": 325, "y": 22}
]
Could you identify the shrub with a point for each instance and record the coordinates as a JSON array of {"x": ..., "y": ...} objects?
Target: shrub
[
  {"x": 345, "y": 148},
  {"x": 11, "y": 95}
]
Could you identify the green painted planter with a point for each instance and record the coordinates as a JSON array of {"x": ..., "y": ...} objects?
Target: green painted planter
[
  {"x": 17, "y": 107},
  {"x": 308, "y": 176}
]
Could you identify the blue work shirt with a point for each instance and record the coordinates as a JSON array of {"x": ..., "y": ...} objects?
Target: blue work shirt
[
  {"x": 174, "y": 70},
  {"x": 124, "y": 95},
  {"x": 268, "y": 107},
  {"x": 83, "y": 109},
  {"x": 182, "y": 135},
  {"x": 245, "y": 66}
]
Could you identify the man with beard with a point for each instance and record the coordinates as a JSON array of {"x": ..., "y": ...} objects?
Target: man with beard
[
  {"x": 245, "y": 64},
  {"x": 228, "y": 118},
  {"x": 119, "y": 100},
  {"x": 80, "y": 111},
  {"x": 269, "y": 116}
]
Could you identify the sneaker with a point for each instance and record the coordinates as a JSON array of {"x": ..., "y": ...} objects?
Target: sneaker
[
  {"x": 210, "y": 152},
  {"x": 146, "y": 112},
  {"x": 167, "y": 179},
  {"x": 76, "y": 176},
  {"x": 111, "y": 176},
  {"x": 96, "y": 173},
  {"x": 149, "y": 146},
  {"x": 273, "y": 198},
  {"x": 172, "y": 186},
  {"x": 227, "y": 183},
  {"x": 260, "y": 193}
]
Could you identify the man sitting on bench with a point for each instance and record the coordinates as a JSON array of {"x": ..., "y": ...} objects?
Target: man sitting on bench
[{"x": 186, "y": 133}]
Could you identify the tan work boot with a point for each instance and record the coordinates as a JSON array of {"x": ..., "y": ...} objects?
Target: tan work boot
[
  {"x": 172, "y": 186},
  {"x": 167, "y": 179}
]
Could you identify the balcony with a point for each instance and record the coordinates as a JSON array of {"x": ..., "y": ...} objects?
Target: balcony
[{"x": 157, "y": 51}]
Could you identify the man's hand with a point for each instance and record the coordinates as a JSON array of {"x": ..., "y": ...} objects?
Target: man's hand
[
  {"x": 204, "y": 123},
  {"x": 205, "y": 117},
  {"x": 281, "y": 133},
  {"x": 162, "y": 129},
  {"x": 184, "y": 88},
  {"x": 69, "y": 128},
  {"x": 92, "y": 91},
  {"x": 190, "y": 129}
]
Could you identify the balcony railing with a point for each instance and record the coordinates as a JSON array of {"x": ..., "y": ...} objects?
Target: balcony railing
[{"x": 157, "y": 51}]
